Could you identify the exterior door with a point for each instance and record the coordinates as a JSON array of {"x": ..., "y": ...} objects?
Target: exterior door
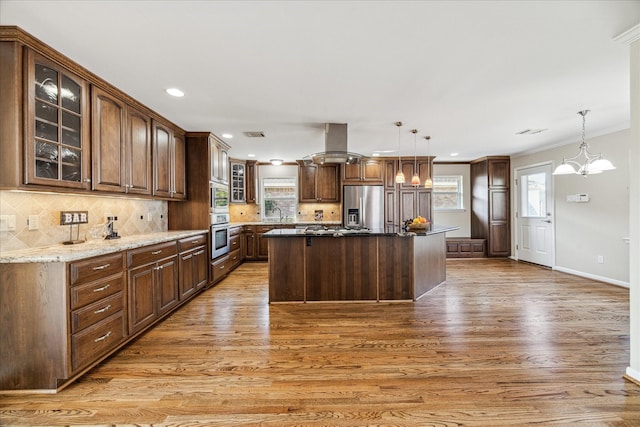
[{"x": 534, "y": 219}]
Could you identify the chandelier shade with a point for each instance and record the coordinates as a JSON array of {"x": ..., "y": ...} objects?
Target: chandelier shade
[
  {"x": 584, "y": 163},
  {"x": 415, "y": 179},
  {"x": 428, "y": 182}
]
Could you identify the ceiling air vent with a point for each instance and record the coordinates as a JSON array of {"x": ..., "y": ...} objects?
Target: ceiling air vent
[
  {"x": 530, "y": 131},
  {"x": 255, "y": 134}
]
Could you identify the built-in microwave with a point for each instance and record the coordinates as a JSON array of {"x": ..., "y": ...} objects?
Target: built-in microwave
[{"x": 219, "y": 198}]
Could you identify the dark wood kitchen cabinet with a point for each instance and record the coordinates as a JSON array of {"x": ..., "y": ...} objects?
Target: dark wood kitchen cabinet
[
  {"x": 53, "y": 141},
  {"x": 490, "y": 204},
  {"x": 366, "y": 172},
  {"x": 318, "y": 183},
  {"x": 98, "y": 318},
  {"x": 193, "y": 265},
  {"x": 402, "y": 200},
  {"x": 121, "y": 141},
  {"x": 152, "y": 278},
  {"x": 57, "y": 132},
  {"x": 169, "y": 156}
]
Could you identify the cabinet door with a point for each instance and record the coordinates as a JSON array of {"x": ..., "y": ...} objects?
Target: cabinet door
[
  {"x": 224, "y": 167},
  {"x": 423, "y": 208},
  {"x": 307, "y": 182},
  {"x": 138, "y": 152},
  {"x": 214, "y": 152},
  {"x": 262, "y": 246},
  {"x": 238, "y": 178},
  {"x": 408, "y": 204},
  {"x": 108, "y": 141},
  {"x": 372, "y": 171},
  {"x": 390, "y": 211},
  {"x": 351, "y": 173},
  {"x": 167, "y": 286},
  {"x": 178, "y": 167},
  {"x": 250, "y": 196},
  {"x": 200, "y": 264},
  {"x": 187, "y": 275},
  {"x": 328, "y": 183},
  {"x": 250, "y": 245},
  {"x": 162, "y": 142},
  {"x": 141, "y": 297},
  {"x": 390, "y": 170},
  {"x": 57, "y": 134}
]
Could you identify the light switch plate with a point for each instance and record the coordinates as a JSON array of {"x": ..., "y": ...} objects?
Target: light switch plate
[
  {"x": 34, "y": 222},
  {"x": 7, "y": 223}
]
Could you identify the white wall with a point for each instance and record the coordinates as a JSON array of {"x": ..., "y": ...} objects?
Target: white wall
[
  {"x": 461, "y": 219},
  {"x": 583, "y": 231}
]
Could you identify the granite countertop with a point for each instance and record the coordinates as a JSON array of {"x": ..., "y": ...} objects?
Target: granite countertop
[
  {"x": 284, "y": 232},
  {"x": 66, "y": 253}
]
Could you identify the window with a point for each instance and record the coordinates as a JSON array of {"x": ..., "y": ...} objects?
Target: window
[
  {"x": 279, "y": 198},
  {"x": 447, "y": 193}
]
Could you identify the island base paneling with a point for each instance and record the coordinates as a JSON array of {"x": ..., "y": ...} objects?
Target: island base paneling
[{"x": 364, "y": 267}]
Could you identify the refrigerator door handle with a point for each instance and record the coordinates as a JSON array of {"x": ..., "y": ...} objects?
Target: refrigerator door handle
[{"x": 363, "y": 220}]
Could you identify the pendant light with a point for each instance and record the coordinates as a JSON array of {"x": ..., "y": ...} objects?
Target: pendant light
[
  {"x": 428, "y": 183},
  {"x": 399, "y": 175},
  {"x": 415, "y": 179},
  {"x": 593, "y": 163}
]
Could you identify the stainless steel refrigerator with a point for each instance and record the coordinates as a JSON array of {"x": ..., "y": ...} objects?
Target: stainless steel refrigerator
[{"x": 363, "y": 206}]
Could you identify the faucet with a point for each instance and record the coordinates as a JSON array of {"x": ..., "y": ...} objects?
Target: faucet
[{"x": 279, "y": 210}]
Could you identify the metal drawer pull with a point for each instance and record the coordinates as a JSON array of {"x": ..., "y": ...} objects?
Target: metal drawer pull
[
  {"x": 105, "y": 287},
  {"x": 156, "y": 252},
  {"x": 102, "y": 338},
  {"x": 101, "y": 267},
  {"x": 102, "y": 310},
  {"x": 221, "y": 267}
]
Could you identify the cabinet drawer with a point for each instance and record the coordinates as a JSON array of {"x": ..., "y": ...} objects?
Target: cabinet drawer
[
  {"x": 264, "y": 228},
  {"x": 234, "y": 259},
  {"x": 86, "y": 294},
  {"x": 191, "y": 242},
  {"x": 234, "y": 231},
  {"x": 91, "y": 269},
  {"x": 234, "y": 243},
  {"x": 220, "y": 268},
  {"x": 95, "y": 312},
  {"x": 96, "y": 340},
  {"x": 149, "y": 254}
]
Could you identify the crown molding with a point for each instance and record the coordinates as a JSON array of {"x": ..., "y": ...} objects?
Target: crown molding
[{"x": 629, "y": 36}]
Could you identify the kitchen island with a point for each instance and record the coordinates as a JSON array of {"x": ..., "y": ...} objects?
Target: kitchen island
[{"x": 354, "y": 265}]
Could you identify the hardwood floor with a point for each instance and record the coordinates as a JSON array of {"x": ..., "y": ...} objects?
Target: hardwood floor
[{"x": 501, "y": 343}]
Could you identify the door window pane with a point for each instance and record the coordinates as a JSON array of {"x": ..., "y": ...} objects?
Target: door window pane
[
  {"x": 46, "y": 84},
  {"x": 533, "y": 203}
]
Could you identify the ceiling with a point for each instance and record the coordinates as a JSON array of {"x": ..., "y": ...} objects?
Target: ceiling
[{"x": 470, "y": 74}]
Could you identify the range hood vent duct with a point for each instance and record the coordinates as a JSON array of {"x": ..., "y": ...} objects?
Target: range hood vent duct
[{"x": 335, "y": 145}]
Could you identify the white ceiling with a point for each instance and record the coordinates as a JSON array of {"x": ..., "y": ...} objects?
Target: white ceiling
[{"x": 471, "y": 74}]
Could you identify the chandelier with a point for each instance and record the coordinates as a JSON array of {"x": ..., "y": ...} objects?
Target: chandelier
[
  {"x": 428, "y": 182},
  {"x": 592, "y": 163},
  {"x": 415, "y": 179}
]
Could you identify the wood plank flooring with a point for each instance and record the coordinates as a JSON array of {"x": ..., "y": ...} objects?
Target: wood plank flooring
[{"x": 501, "y": 343}]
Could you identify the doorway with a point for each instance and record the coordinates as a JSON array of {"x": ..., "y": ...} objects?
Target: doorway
[{"x": 535, "y": 234}]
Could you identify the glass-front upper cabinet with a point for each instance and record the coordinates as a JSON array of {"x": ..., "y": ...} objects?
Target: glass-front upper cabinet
[
  {"x": 238, "y": 179},
  {"x": 57, "y": 134}
]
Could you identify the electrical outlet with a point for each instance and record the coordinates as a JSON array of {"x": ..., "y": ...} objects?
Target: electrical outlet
[
  {"x": 149, "y": 216},
  {"x": 600, "y": 259}
]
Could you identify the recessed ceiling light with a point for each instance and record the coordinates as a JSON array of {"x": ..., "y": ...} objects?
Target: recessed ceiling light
[
  {"x": 175, "y": 92},
  {"x": 376, "y": 154},
  {"x": 454, "y": 154},
  {"x": 276, "y": 162},
  {"x": 227, "y": 135},
  {"x": 251, "y": 155}
]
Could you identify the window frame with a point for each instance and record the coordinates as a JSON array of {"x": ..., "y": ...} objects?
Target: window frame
[{"x": 459, "y": 194}]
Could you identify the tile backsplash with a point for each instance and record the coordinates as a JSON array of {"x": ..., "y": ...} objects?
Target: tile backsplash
[
  {"x": 306, "y": 212},
  {"x": 133, "y": 217}
]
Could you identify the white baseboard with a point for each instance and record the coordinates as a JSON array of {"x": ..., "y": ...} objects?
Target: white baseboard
[
  {"x": 632, "y": 375},
  {"x": 593, "y": 277}
]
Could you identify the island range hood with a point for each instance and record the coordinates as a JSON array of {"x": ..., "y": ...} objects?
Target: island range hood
[{"x": 335, "y": 145}]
